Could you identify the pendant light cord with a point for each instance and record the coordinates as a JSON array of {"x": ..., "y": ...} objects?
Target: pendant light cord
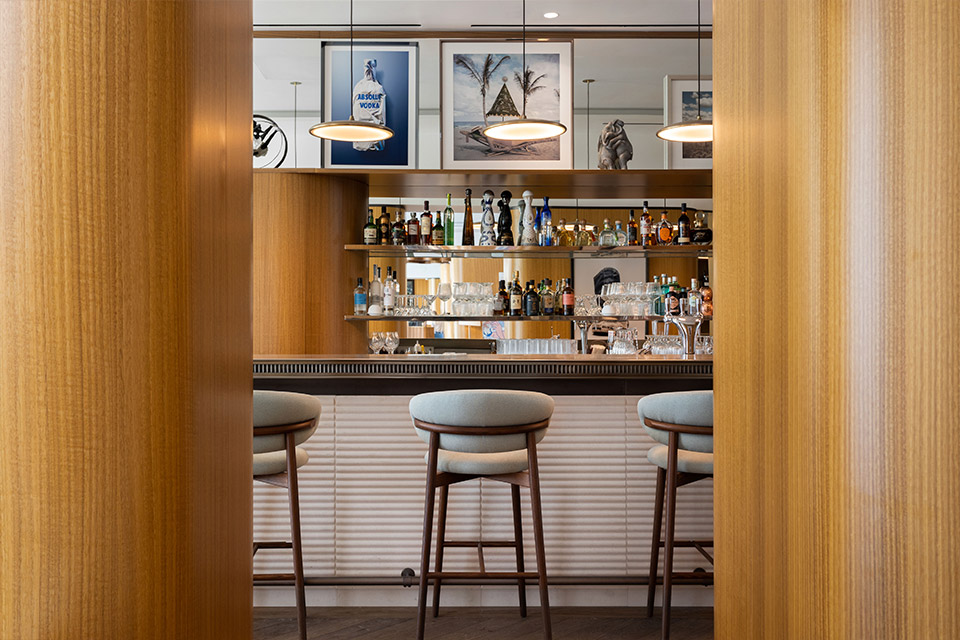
[
  {"x": 698, "y": 58},
  {"x": 523, "y": 71},
  {"x": 351, "y": 57}
]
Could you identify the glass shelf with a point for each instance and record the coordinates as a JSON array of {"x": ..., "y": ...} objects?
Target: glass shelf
[
  {"x": 445, "y": 252},
  {"x": 497, "y": 318}
]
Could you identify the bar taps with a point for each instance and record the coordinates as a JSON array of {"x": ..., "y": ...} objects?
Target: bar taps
[{"x": 688, "y": 326}]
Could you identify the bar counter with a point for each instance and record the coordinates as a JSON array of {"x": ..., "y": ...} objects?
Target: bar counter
[{"x": 553, "y": 374}]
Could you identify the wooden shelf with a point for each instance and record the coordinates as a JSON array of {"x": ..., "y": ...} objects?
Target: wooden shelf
[
  {"x": 436, "y": 252},
  {"x": 596, "y": 184}
]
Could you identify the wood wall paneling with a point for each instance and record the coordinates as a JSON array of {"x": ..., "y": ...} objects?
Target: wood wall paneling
[
  {"x": 125, "y": 389},
  {"x": 837, "y": 480}
]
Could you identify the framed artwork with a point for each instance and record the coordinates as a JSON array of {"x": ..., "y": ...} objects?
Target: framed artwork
[
  {"x": 680, "y": 105},
  {"x": 482, "y": 83},
  {"x": 384, "y": 90}
]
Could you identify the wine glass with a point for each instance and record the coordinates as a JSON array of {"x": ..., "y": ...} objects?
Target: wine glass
[
  {"x": 376, "y": 342},
  {"x": 391, "y": 340},
  {"x": 444, "y": 293}
]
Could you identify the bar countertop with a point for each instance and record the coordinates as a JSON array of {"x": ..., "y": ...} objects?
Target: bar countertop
[{"x": 561, "y": 374}]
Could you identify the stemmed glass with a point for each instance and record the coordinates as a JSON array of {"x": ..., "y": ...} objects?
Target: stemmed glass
[
  {"x": 444, "y": 293},
  {"x": 391, "y": 340},
  {"x": 376, "y": 342}
]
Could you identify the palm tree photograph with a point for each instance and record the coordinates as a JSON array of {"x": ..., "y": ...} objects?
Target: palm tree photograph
[{"x": 494, "y": 87}]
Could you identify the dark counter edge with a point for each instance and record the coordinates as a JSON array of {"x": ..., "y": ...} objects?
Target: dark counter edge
[{"x": 319, "y": 377}]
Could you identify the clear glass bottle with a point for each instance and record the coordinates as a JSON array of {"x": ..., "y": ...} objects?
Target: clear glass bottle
[
  {"x": 584, "y": 237},
  {"x": 448, "y": 230},
  {"x": 608, "y": 237},
  {"x": 564, "y": 236},
  {"x": 389, "y": 293},
  {"x": 621, "y": 235},
  {"x": 360, "y": 299},
  {"x": 371, "y": 232},
  {"x": 694, "y": 300},
  {"x": 664, "y": 230},
  {"x": 546, "y": 224},
  {"x": 658, "y": 300},
  {"x": 375, "y": 291}
]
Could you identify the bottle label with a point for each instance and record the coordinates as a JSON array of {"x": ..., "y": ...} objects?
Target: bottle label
[
  {"x": 370, "y": 236},
  {"x": 567, "y": 299},
  {"x": 388, "y": 298},
  {"x": 498, "y": 304},
  {"x": 514, "y": 301},
  {"x": 360, "y": 300},
  {"x": 438, "y": 236}
]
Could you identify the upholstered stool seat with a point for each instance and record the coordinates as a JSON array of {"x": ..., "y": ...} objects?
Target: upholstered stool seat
[
  {"x": 682, "y": 424},
  {"x": 482, "y": 434},
  {"x": 281, "y": 421}
]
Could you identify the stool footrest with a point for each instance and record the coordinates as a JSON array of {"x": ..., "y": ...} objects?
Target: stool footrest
[
  {"x": 271, "y": 577},
  {"x": 479, "y": 543},
  {"x": 257, "y": 546},
  {"x": 468, "y": 575}
]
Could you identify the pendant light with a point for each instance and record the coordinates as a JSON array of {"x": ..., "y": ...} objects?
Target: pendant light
[
  {"x": 698, "y": 130},
  {"x": 351, "y": 130},
  {"x": 524, "y": 129}
]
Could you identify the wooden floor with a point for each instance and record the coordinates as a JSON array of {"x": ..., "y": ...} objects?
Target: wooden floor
[{"x": 368, "y": 623}]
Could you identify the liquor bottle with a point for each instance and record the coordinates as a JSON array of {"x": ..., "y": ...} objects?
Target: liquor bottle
[
  {"x": 371, "y": 231},
  {"x": 683, "y": 226},
  {"x": 596, "y": 235},
  {"x": 658, "y": 300},
  {"x": 375, "y": 292},
  {"x": 448, "y": 229},
  {"x": 413, "y": 229},
  {"x": 664, "y": 230},
  {"x": 501, "y": 303},
  {"x": 398, "y": 232},
  {"x": 467, "y": 236},
  {"x": 608, "y": 237},
  {"x": 384, "y": 230},
  {"x": 584, "y": 237},
  {"x": 516, "y": 296},
  {"x": 647, "y": 237},
  {"x": 488, "y": 225},
  {"x": 701, "y": 232},
  {"x": 360, "y": 299},
  {"x": 633, "y": 231},
  {"x": 706, "y": 293},
  {"x": 567, "y": 299},
  {"x": 531, "y": 300},
  {"x": 694, "y": 299},
  {"x": 437, "y": 234},
  {"x": 505, "y": 222},
  {"x": 673, "y": 299},
  {"x": 547, "y": 298},
  {"x": 575, "y": 235},
  {"x": 426, "y": 224},
  {"x": 528, "y": 223},
  {"x": 546, "y": 224},
  {"x": 621, "y": 235},
  {"x": 389, "y": 293},
  {"x": 564, "y": 236}
]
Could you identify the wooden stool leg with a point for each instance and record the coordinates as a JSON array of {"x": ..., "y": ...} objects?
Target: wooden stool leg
[
  {"x": 668, "y": 540},
  {"x": 427, "y": 532},
  {"x": 294, "y": 494},
  {"x": 518, "y": 537},
  {"x": 535, "y": 507},
  {"x": 441, "y": 536},
  {"x": 655, "y": 544}
]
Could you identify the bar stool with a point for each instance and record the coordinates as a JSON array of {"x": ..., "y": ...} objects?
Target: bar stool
[
  {"x": 281, "y": 421},
  {"x": 482, "y": 434},
  {"x": 683, "y": 425}
]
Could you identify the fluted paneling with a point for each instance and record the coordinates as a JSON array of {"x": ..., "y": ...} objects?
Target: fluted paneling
[{"x": 838, "y": 479}]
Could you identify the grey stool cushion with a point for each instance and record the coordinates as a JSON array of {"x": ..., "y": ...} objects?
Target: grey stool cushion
[
  {"x": 274, "y": 408},
  {"x": 481, "y": 464},
  {"x": 683, "y": 407},
  {"x": 276, "y": 462},
  {"x": 481, "y": 408},
  {"x": 687, "y": 461}
]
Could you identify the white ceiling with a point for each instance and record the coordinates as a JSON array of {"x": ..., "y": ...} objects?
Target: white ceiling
[{"x": 461, "y": 14}]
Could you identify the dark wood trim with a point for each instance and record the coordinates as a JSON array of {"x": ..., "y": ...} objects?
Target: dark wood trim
[
  {"x": 283, "y": 429},
  {"x": 483, "y": 34},
  {"x": 678, "y": 428},
  {"x": 509, "y": 430},
  {"x": 518, "y": 545}
]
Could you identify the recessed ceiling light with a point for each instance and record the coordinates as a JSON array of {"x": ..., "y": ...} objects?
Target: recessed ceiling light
[{"x": 550, "y": 15}]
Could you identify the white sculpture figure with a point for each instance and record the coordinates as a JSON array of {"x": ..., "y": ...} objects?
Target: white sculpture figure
[
  {"x": 528, "y": 234},
  {"x": 613, "y": 147},
  {"x": 488, "y": 224},
  {"x": 369, "y": 103}
]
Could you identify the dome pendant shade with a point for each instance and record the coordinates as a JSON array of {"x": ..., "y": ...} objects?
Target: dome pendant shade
[
  {"x": 525, "y": 129},
  {"x": 691, "y": 131},
  {"x": 351, "y": 131}
]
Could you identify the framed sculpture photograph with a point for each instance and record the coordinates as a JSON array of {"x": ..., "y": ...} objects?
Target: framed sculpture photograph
[
  {"x": 482, "y": 83},
  {"x": 680, "y": 105},
  {"x": 384, "y": 90}
]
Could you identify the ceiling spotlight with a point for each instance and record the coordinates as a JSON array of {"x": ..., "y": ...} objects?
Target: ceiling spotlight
[{"x": 550, "y": 15}]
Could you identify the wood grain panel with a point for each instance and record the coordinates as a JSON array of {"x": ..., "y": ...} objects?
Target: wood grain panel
[
  {"x": 125, "y": 390},
  {"x": 303, "y": 279},
  {"x": 837, "y": 481}
]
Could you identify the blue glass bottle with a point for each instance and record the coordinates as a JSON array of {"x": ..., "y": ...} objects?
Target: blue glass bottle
[{"x": 546, "y": 224}]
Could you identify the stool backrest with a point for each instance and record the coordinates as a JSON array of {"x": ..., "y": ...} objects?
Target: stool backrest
[
  {"x": 280, "y": 408},
  {"x": 691, "y": 408},
  {"x": 481, "y": 420}
]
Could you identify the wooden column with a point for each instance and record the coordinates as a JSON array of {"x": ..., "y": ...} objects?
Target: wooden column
[
  {"x": 303, "y": 280},
  {"x": 838, "y": 346},
  {"x": 125, "y": 342}
]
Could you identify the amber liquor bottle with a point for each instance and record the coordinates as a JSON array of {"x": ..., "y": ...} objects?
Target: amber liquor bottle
[
  {"x": 683, "y": 226},
  {"x": 633, "y": 232},
  {"x": 467, "y": 236}
]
